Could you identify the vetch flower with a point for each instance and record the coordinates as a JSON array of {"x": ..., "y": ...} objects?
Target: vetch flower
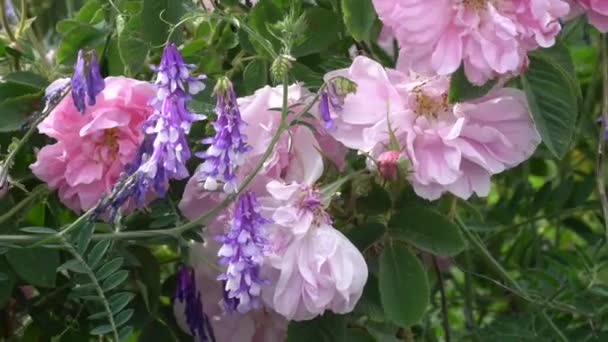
[
  {"x": 491, "y": 38},
  {"x": 243, "y": 252},
  {"x": 228, "y": 147},
  {"x": 93, "y": 149},
  {"x": 87, "y": 81},
  {"x": 188, "y": 294}
]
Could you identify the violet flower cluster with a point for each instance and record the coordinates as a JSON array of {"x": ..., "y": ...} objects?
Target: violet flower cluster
[
  {"x": 164, "y": 151},
  {"x": 87, "y": 81},
  {"x": 243, "y": 251},
  {"x": 186, "y": 293},
  {"x": 227, "y": 148}
]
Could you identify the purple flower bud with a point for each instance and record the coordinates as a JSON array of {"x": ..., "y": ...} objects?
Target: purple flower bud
[
  {"x": 243, "y": 251},
  {"x": 228, "y": 146},
  {"x": 87, "y": 81},
  {"x": 328, "y": 122},
  {"x": 187, "y": 294}
]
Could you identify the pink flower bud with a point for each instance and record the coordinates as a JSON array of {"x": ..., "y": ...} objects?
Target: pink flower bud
[{"x": 387, "y": 164}]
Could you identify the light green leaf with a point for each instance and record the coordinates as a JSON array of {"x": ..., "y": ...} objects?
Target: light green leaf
[
  {"x": 428, "y": 230},
  {"x": 255, "y": 75},
  {"x": 115, "y": 280},
  {"x": 323, "y": 30},
  {"x": 109, "y": 268},
  {"x": 404, "y": 288},
  {"x": 155, "y": 16}
]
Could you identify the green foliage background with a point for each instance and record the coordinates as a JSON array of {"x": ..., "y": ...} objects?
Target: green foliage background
[{"x": 528, "y": 263}]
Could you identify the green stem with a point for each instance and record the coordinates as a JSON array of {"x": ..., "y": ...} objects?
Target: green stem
[
  {"x": 601, "y": 163},
  {"x": 33, "y": 196},
  {"x": 5, "y": 24},
  {"x": 22, "y": 17},
  {"x": 468, "y": 293},
  {"x": 554, "y": 327}
]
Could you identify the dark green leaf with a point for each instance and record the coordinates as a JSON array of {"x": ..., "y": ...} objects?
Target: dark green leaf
[
  {"x": 125, "y": 332},
  {"x": 428, "y": 230},
  {"x": 15, "y": 110},
  {"x": 358, "y": 335},
  {"x": 115, "y": 280},
  {"x": 7, "y": 284},
  {"x": 157, "y": 331},
  {"x": 359, "y": 17},
  {"x": 123, "y": 317},
  {"x": 404, "y": 288},
  {"x": 27, "y": 79},
  {"x": 155, "y": 15},
  {"x": 148, "y": 277},
  {"x": 553, "y": 98},
  {"x": 132, "y": 49},
  {"x": 323, "y": 30},
  {"x": 102, "y": 330},
  {"x": 119, "y": 301},
  {"x": 85, "y": 232},
  {"x": 108, "y": 268},
  {"x": 82, "y": 36},
  {"x": 37, "y": 266},
  {"x": 366, "y": 235},
  {"x": 255, "y": 75},
  {"x": 327, "y": 328},
  {"x": 461, "y": 89}
]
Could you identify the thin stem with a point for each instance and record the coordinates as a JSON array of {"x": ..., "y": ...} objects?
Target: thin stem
[
  {"x": 445, "y": 320},
  {"x": 554, "y": 327},
  {"x": 601, "y": 164},
  {"x": 468, "y": 293},
  {"x": 22, "y": 17},
  {"x": 33, "y": 196},
  {"x": 5, "y": 24}
]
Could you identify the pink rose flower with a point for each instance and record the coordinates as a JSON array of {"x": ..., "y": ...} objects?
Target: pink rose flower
[
  {"x": 596, "y": 10},
  {"x": 262, "y": 325},
  {"x": 312, "y": 266},
  {"x": 491, "y": 38},
  {"x": 91, "y": 150},
  {"x": 453, "y": 148}
]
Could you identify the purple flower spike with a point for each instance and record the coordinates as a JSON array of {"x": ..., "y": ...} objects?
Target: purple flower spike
[
  {"x": 187, "y": 293},
  {"x": 243, "y": 251},
  {"x": 228, "y": 146},
  {"x": 87, "y": 81}
]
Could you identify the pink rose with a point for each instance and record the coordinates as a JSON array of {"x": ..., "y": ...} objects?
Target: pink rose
[
  {"x": 596, "y": 10},
  {"x": 91, "y": 150},
  {"x": 490, "y": 37},
  {"x": 451, "y": 147}
]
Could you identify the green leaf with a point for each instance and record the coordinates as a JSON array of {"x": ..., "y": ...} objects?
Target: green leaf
[
  {"x": 74, "y": 266},
  {"x": 553, "y": 98},
  {"x": 132, "y": 49},
  {"x": 123, "y": 317},
  {"x": 97, "y": 253},
  {"x": 323, "y": 30},
  {"x": 37, "y": 266},
  {"x": 15, "y": 111},
  {"x": 147, "y": 277},
  {"x": 85, "y": 232},
  {"x": 7, "y": 284},
  {"x": 428, "y": 230},
  {"x": 359, "y": 17},
  {"x": 366, "y": 235},
  {"x": 327, "y": 328},
  {"x": 101, "y": 330},
  {"x": 125, "y": 332},
  {"x": 28, "y": 79},
  {"x": 157, "y": 331},
  {"x": 155, "y": 28},
  {"x": 358, "y": 335},
  {"x": 255, "y": 75},
  {"x": 404, "y": 288},
  {"x": 115, "y": 280},
  {"x": 83, "y": 36},
  {"x": 109, "y": 268},
  {"x": 119, "y": 301},
  {"x": 38, "y": 230},
  {"x": 461, "y": 89}
]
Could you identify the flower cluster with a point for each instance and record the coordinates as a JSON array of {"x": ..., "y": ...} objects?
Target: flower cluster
[
  {"x": 227, "y": 148},
  {"x": 188, "y": 295},
  {"x": 87, "y": 81},
  {"x": 490, "y": 37},
  {"x": 243, "y": 252}
]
